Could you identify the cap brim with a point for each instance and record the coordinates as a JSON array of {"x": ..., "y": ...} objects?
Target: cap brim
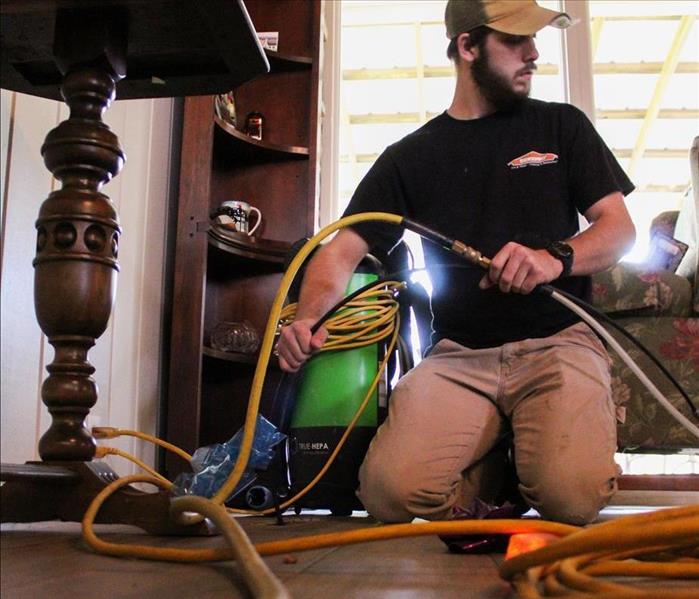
[{"x": 530, "y": 20}]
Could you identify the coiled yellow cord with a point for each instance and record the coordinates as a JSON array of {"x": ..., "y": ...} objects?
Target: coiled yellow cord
[
  {"x": 268, "y": 340},
  {"x": 368, "y": 318},
  {"x": 569, "y": 565},
  {"x": 673, "y": 530}
]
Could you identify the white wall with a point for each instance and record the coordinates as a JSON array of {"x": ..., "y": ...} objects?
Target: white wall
[
  {"x": 127, "y": 355},
  {"x": 330, "y": 80}
]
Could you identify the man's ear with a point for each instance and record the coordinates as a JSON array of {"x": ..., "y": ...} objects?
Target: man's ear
[{"x": 467, "y": 51}]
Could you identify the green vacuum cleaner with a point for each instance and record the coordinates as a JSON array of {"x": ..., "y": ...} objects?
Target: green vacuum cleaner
[
  {"x": 330, "y": 389},
  {"x": 313, "y": 407}
]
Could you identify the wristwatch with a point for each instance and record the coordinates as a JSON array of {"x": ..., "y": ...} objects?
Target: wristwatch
[{"x": 563, "y": 252}]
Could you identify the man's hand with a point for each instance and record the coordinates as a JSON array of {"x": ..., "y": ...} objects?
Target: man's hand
[
  {"x": 296, "y": 344},
  {"x": 518, "y": 269}
]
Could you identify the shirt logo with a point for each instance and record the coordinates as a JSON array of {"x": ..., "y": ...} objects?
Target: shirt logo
[{"x": 533, "y": 158}]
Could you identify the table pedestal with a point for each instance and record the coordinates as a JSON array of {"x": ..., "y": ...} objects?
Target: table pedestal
[
  {"x": 74, "y": 288},
  {"x": 40, "y": 491}
]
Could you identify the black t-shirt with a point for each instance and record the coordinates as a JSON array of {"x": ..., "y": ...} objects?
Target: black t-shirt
[{"x": 521, "y": 175}]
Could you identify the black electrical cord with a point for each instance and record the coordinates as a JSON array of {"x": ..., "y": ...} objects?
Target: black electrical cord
[
  {"x": 476, "y": 258},
  {"x": 427, "y": 233},
  {"x": 544, "y": 289},
  {"x": 549, "y": 289}
]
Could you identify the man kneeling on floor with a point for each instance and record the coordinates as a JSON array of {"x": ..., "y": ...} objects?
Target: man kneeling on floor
[{"x": 507, "y": 175}]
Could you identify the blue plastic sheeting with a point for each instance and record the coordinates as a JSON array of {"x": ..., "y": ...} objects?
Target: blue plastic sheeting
[{"x": 213, "y": 464}]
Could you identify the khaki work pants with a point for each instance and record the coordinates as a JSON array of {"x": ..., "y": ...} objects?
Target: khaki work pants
[{"x": 446, "y": 414}]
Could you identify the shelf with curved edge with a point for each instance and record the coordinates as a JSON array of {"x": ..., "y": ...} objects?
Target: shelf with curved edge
[
  {"x": 247, "y": 246},
  {"x": 238, "y": 357},
  {"x": 245, "y": 147},
  {"x": 280, "y": 62}
]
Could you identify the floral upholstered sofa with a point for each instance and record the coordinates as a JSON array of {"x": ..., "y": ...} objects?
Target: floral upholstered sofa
[{"x": 661, "y": 308}]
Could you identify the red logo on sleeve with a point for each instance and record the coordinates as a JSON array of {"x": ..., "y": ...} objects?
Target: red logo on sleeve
[{"x": 533, "y": 158}]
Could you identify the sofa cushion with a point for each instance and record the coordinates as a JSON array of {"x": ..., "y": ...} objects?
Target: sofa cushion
[
  {"x": 647, "y": 424},
  {"x": 630, "y": 290}
]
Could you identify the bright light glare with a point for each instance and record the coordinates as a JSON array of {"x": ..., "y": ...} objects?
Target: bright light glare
[{"x": 528, "y": 541}]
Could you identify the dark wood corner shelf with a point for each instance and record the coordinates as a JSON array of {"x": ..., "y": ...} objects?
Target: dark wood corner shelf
[
  {"x": 246, "y": 246},
  {"x": 280, "y": 62},
  {"x": 218, "y": 272},
  {"x": 244, "y": 147}
]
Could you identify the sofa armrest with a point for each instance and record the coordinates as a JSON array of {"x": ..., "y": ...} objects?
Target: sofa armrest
[
  {"x": 629, "y": 290},
  {"x": 646, "y": 424}
]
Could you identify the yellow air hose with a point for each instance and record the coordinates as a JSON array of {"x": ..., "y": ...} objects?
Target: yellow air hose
[
  {"x": 367, "y": 319},
  {"x": 565, "y": 567},
  {"x": 268, "y": 340}
]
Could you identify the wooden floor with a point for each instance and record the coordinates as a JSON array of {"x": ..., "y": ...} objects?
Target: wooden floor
[{"x": 50, "y": 560}]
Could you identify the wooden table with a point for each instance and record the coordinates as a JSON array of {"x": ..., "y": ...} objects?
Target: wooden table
[{"x": 88, "y": 52}]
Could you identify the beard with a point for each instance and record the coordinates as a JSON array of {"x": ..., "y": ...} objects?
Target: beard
[{"x": 494, "y": 86}]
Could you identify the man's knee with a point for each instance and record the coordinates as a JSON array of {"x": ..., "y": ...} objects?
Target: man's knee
[
  {"x": 391, "y": 493},
  {"x": 573, "y": 497},
  {"x": 382, "y": 493}
]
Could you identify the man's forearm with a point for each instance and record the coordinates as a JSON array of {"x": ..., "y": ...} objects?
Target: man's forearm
[
  {"x": 328, "y": 274},
  {"x": 323, "y": 286},
  {"x": 606, "y": 240}
]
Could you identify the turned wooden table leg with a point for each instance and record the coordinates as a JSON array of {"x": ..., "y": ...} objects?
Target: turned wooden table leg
[
  {"x": 85, "y": 45},
  {"x": 76, "y": 258},
  {"x": 74, "y": 287}
]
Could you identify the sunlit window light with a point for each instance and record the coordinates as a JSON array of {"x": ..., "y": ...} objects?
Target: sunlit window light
[{"x": 396, "y": 76}]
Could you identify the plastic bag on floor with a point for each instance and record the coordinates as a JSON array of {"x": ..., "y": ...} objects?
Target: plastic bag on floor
[{"x": 213, "y": 464}]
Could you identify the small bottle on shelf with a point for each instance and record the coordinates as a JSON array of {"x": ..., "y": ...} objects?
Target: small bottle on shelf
[{"x": 253, "y": 125}]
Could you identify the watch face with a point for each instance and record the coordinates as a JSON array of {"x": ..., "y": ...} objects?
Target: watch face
[
  {"x": 563, "y": 252},
  {"x": 562, "y": 249}
]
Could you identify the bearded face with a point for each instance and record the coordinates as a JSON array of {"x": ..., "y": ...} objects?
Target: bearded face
[{"x": 503, "y": 83}]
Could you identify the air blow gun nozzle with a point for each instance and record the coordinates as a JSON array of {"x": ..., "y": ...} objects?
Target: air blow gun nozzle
[
  {"x": 454, "y": 245},
  {"x": 470, "y": 254}
]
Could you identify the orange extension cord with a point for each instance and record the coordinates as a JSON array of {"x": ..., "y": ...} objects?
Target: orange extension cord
[{"x": 661, "y": 544}]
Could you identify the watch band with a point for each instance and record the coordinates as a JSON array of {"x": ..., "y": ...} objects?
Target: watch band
[{"x": 563, "y": 252}]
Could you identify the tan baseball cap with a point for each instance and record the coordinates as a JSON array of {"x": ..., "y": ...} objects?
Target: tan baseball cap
[{"x": 518, "y": 17}]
